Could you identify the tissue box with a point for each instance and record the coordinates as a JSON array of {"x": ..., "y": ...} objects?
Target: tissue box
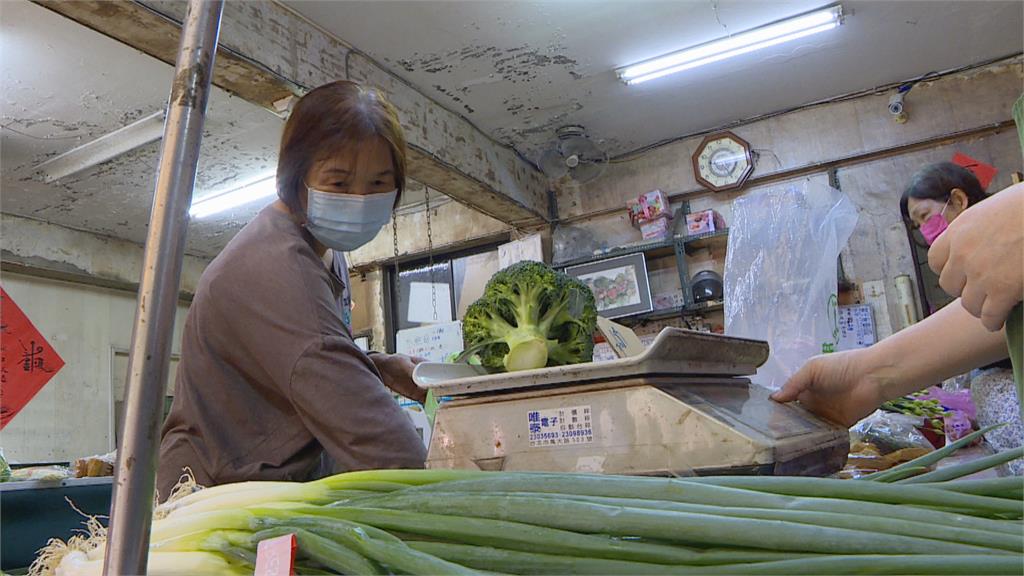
[
  {"x": 648, "y": 207},
  {"x": 703, "y": 222},
  {"x": 658, "y": 229}
]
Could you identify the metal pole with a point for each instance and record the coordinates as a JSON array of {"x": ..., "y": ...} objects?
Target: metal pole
[{"x": 132, "y": 508}]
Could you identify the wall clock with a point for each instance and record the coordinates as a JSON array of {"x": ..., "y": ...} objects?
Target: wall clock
[{"x": 722, "y": 162}]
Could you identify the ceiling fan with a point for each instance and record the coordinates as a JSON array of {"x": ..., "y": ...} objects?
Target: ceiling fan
[{"x": 573, "y": 154}]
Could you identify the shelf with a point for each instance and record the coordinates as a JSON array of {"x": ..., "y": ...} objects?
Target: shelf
[
  {"x": 705, "y": 240},
  {"x": 711, "y": 306},
  {"x": 653, "y": 249},
  {"x": 654, "y": 315}
]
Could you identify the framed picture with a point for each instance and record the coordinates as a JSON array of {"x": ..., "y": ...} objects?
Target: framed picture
[{"x": 620, "y": 285}]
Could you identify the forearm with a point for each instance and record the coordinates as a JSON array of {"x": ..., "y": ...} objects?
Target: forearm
[{"x": 947, "y": 343}]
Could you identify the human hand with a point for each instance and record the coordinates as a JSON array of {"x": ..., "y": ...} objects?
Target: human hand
[
  {"x": 840, "y": 387},
  {"x": 396, "y": 371},
  {"x": 980, "y": 257}
]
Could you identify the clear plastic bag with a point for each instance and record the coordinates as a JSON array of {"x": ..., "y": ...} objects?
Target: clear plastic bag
[
  {"x": 781, "y": 273},
  {"x": 890, "y": 432}
]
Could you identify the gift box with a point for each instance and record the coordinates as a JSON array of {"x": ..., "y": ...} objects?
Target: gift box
[
  {"x": 658, "y": 229},
  {"x": 648, "y": 207},
  {"x": 703, "y": 222}
]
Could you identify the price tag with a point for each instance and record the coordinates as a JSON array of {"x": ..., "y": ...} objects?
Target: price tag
[{"x": 276, "y": 556}]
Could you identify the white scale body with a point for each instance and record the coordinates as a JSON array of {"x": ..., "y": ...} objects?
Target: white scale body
[{"x": 683, "y": 407}]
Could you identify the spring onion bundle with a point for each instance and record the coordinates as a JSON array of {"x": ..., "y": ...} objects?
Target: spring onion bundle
[{"x": 469, "y": 522}]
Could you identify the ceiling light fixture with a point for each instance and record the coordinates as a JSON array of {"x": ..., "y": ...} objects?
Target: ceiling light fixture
[
  {"x": 263, "y": 187},
  {"x": 104, "y": 148},
  {"x": 742, "y": 43}
]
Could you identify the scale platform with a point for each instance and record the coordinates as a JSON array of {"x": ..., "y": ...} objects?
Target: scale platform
[{"x": 683, "y": 407}]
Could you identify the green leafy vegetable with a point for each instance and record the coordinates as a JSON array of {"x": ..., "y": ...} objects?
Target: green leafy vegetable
[{"x": 531, "y": 316}]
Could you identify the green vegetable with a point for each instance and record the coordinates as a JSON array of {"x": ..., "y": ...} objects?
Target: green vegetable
[
  {"x": 1010, "y": 487},
  {"x": 896, "y": 526},
  {"x": 5, "y": 468},
  {"x": 967, "y": 468},
  {"x": 527, "y": 537},
  {"x": 682, "y": 527},
  {"x": 466, "y": 522},
  {"x": 896, "y": 472},
  {"x": 678, "y": 490},
  {"x": 886, "y": 493},
  {"x": 531, "y": 316}
]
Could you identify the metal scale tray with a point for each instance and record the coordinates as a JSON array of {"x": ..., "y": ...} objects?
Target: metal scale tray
[{"x": 680, "y": 408}]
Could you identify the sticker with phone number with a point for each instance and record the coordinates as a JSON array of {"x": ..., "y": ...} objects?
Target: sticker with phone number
[{"x": 560, "y": 426}]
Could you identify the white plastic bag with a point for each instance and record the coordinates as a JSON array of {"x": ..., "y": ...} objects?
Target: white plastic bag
[{"x": 781, "y": 273}]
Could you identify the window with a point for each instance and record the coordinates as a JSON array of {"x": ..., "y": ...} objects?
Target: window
[{"x": 458, "y": 280}]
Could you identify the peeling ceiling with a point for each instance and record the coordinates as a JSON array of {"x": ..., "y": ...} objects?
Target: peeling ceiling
[
  {"x": 64, "y": 85},
  {"x": 94, "y": 85},
  {"x": 519, "y": 70}
]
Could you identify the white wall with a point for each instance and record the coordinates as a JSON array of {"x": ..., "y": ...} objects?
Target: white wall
[{"x": 72, "y": 416}]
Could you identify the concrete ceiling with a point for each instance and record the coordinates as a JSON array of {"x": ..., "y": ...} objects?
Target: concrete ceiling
[
  {"x": 515, "y": 69},
  {"x": 64, "y": 85},
  {"x": 518, "y": 70},
  {"x": 95, "y": 85}
]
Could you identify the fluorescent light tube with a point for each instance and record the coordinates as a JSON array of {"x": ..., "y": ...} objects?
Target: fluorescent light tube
[
  {"x": 104, "y": 148},
  {"x": 263, "y": 187},
  {"x": 742, "y": 43}
]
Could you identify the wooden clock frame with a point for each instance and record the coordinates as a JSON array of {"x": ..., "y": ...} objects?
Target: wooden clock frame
[{"x": 700, "y": 149}]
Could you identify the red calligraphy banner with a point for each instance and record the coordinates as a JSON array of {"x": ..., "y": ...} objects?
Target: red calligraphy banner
[{"x": 27, "y": 361}]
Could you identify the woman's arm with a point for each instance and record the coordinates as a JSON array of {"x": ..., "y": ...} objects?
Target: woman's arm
[
  {"x": 341, "y": 400},
  {"x": 848, "y": 386}
]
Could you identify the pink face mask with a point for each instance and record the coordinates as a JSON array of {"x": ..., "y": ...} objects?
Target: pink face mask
[{"x": 935, "y": 226}]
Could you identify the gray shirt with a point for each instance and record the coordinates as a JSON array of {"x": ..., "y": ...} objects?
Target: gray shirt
[{"x": 270, "y": 379}]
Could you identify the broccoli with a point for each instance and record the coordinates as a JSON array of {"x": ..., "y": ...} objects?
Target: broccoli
[{"x": 531, "y": 316}]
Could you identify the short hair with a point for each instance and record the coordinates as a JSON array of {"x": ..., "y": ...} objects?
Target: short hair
[
  {"x": 936, "y": 181},
  {"x": 327, "y": 119}
]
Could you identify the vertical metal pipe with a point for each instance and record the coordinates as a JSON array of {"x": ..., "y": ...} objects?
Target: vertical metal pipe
[{"x": 135, "y": 475}]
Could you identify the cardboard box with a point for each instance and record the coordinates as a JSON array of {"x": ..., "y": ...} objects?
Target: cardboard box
[
  {"x": 704, "y": 222},
  {"x": 658, "y": 229},
  {"x": 648, "y": 207}
]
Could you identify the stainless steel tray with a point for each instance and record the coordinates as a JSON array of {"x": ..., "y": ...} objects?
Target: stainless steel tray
[{"x": 675, "y": 352}]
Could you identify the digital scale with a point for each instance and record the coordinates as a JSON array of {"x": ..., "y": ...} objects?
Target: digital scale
[{"x": 682, "y": 407}]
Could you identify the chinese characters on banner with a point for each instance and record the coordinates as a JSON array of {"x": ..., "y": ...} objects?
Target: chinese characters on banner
[{"x": 27, "y": 361}]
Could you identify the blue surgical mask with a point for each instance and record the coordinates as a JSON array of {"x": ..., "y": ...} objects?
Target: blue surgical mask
[{"x": 347, "y": 221}]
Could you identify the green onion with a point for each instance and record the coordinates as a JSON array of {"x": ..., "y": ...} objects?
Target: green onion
[
  {"x": 929, "y": 458},
  {"x": 874, "y": 492},
  {"x": 1009, "y": 487},
  {"x": 967, "y": 468},
  {"x": 326, "y": 552},
  {"x": 686, "y": 528},
  {"x": 527, "y": 537},
  {"x": 516, "y": 562},
  {"x": 897, "y": 526},
  {"x": 674, "y": 490}
]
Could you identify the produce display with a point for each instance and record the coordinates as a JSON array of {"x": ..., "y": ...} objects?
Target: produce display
[
  {"x": 531, "y": 316},
  {"x": 468, "y": 522},
  {"x": 930, "y": 410}
]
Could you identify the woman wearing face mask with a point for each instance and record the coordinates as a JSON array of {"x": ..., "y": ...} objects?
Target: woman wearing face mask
[
  {"x": 937, "y": 195},
  {"x": 847, "y": 386},
  {"x": 271, "y": 385}
]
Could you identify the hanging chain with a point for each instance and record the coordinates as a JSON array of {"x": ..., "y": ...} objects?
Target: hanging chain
[
  {"x": 430, "y": 252},
  {"x": 398, "y": 273}
]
